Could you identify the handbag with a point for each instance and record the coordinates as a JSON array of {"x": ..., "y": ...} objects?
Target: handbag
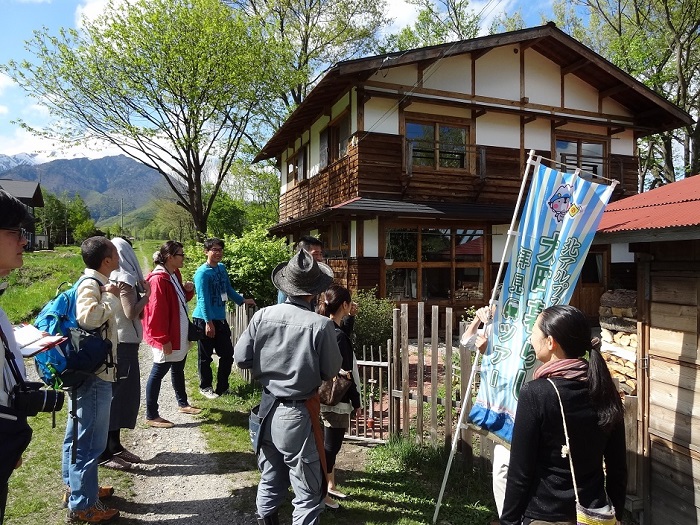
[
  {"x": 194, "y": 332},
  {"x": 584, "y": 515},
  {"x": 333, "y": 390}
]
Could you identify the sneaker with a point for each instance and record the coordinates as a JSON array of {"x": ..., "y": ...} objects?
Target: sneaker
[
  {"x": 98, "y": 513},
  {"x": 102, "y": 493},
  {"x": 189, "y": 410},
  {"x": 159, "y": 422},
  {"x": 208, "y": 393}
]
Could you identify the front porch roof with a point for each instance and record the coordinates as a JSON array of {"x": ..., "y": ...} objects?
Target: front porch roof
[
  {"x": 364, "y": 208},
  {"x": 652, "y": 112}
]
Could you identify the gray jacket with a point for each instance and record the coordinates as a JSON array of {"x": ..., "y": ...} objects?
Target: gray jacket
[{"x": 290, "y": 349}]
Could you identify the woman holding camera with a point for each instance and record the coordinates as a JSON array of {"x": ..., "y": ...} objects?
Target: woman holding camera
[{"x": 15, "y": 433}]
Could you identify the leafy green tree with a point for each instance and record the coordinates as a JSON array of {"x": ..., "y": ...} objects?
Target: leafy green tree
[
  {"x": 51, "y": 219},
  {"x": 259, "y": 190},
  {"x": 318, "y": 34},
  {"x": 250, "y": 260},
  {"x": 227, "y": 216},
  {"x": 438, "y": 22},
  {"x": 657, "y": 42},
  {"x": 374, "y": 320},
  {"x": 83, "y": 230},
  {"x": 174, "y": 84}
]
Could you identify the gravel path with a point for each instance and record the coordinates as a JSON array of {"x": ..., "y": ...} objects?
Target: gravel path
[{"x": 180, "y": 481}]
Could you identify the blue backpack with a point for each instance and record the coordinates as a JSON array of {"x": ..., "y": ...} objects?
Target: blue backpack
[{"x": 84, "y": 352}]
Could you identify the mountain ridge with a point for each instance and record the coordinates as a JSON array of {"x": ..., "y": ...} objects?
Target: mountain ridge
[{"x": 102, "y": 183}]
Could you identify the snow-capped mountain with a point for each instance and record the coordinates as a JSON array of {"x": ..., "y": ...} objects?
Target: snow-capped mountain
[{"x": 8, "y": 162}]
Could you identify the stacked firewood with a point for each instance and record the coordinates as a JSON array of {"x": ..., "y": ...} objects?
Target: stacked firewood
[{"x": 618, "y": 322}]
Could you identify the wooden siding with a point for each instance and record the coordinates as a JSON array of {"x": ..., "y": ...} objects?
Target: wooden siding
[
  {"x": 375, "y": 168},
  {"x": 674, "y": 382}
]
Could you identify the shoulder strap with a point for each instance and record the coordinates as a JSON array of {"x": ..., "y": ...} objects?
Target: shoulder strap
[{"x": 566, "y": 449}]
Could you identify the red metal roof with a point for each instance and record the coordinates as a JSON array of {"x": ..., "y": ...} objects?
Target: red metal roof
[{"x": 671, "y": 206}]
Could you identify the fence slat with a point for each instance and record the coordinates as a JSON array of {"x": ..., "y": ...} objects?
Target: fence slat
[
  {"x": 420, "y": 372},
  {"x": 434, "y": 342},
  {"x": 465, "y": 368},
  {"x": 394, "y": 402},
  {"x": 405, "y": 420},
  {"x": 448, "y": 377}
]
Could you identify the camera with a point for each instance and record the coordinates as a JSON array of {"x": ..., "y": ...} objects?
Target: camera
[{"x": 29, "y": 398}]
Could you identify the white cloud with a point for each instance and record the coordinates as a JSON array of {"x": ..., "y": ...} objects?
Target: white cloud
[
  {"x": 402, "y": 13},
  {"x": 5, "y": 82},
  {"x": 4, "y": 110},
  {"x": 36, "y": 110},
  {"x": 91, "y": 9},
  {"x": 34, "y": 1}
]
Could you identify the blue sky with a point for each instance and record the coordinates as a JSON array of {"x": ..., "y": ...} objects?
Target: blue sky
[{"x": 19, "y": 18}]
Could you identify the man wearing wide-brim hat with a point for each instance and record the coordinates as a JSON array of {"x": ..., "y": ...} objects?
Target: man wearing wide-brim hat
[{"x": 290, "y": 349}]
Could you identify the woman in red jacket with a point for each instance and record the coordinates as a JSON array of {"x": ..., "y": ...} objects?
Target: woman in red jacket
[{"x": 165, "y": 330}]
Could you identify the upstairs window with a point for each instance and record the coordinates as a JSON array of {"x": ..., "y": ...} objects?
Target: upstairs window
[
  {"x": 334, "y": 140},
  {"x": 298, "y": 166},
  {"x": 587, "y": 154},
  {"x": 437, "y": 145}
]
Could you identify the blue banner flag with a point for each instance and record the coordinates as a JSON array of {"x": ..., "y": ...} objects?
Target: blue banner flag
[{"x": 559, "y": 220}]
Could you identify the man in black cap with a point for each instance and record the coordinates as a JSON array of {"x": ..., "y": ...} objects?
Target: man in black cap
[{"x": 290, "y": 350}]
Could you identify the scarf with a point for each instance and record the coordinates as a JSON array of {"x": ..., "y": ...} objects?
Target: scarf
[
  {"x": 576, "y": 369},
  {"x": 129, "y": 271}
]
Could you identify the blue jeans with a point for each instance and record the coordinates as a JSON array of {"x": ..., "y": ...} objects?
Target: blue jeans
[
  {"x": 288, "y": 455},
  {"x": 177, "y": 377},
  {"x": 93, "y": 400}
]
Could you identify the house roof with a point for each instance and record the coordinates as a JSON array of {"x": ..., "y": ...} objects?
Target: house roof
[
  {"x": 26, "y": 192},
  {"x": 652, "y": 113},
  {"x": 665, "y": 212},
  {"x": 363, "y": 207}
]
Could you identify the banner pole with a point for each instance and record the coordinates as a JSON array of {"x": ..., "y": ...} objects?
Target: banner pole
[
  {"x": 466, "y": 399},
  {"x": 511, "y": 230},
  {"x": 465, "y": 402}
]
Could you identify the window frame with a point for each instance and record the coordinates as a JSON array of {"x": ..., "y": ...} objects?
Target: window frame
[
  {"x": 580, "y": 139},
  {"x": 420, "y": 265},
  {"x": 437, "y": 122}
]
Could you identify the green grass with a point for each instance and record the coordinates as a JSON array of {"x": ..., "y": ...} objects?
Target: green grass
[
  {"x": 36, "y": 282},
  {"x": 401, "y": 485}
]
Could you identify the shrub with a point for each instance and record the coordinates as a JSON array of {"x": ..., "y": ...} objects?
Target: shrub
[{"x": 374, "y": 321}]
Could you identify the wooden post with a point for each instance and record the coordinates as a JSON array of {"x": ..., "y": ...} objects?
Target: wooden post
[
  {"x": 465, "y": 368},
  {"x": 420, "y": 370},
  {"x": 394, "y": 371},
  {"x": 434, "y": 340},
  {"x": 448, "y": 377},
  {"x": 406, "y": 413}
]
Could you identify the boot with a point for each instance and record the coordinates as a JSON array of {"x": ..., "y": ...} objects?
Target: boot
[{"x": 272, "y": 519}]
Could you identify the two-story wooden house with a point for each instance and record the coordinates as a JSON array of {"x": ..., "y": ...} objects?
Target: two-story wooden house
[{"x": 408, "y": 165}]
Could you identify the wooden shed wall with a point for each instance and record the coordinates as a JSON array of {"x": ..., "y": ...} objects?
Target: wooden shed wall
[{"x": 674, "y": 382}]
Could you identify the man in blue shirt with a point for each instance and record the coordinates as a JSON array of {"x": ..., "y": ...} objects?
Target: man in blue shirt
[{"x": 214, "y": 290}]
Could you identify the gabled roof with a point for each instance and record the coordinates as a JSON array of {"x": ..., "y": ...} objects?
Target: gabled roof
[
  {"x": 28, "y": 193},
  {"x": 652, "y": 113},
  {"x": 664, "y": 211}
]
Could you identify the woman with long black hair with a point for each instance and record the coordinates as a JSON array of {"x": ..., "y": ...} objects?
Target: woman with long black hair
[{"x": 540, "y": 487}]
